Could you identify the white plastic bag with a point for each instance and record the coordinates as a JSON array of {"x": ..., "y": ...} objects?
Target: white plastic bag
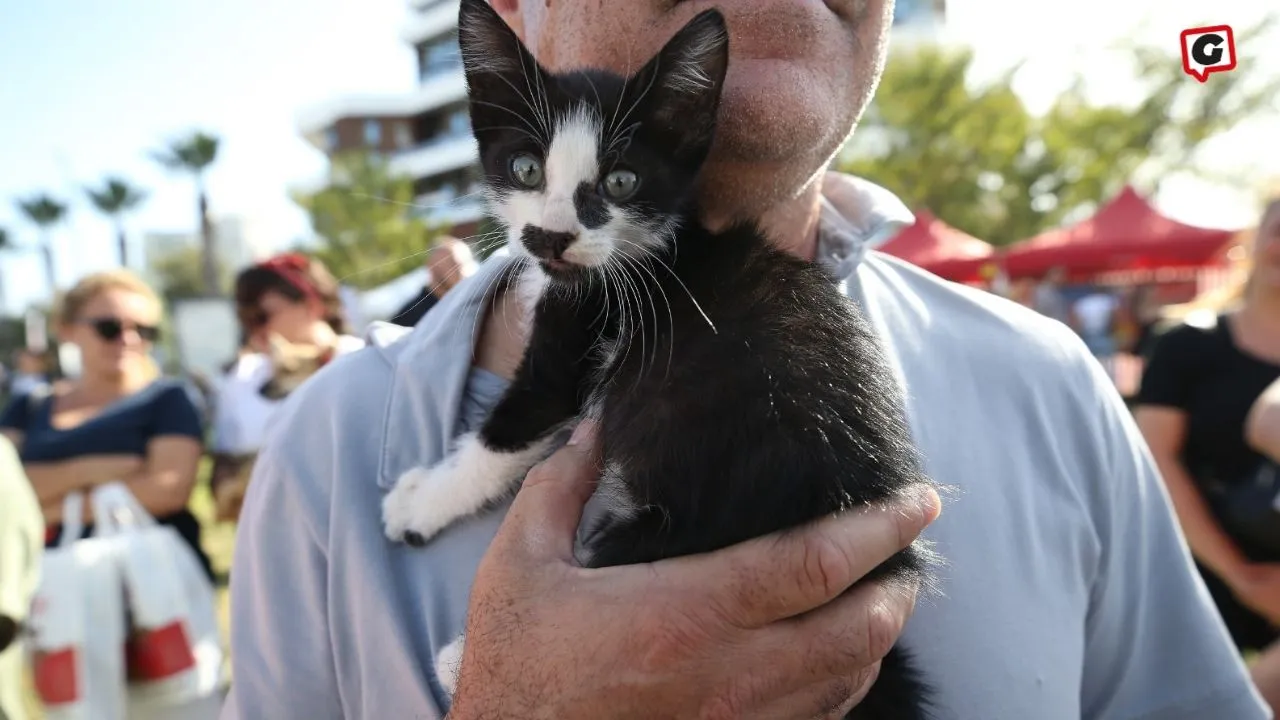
[
  {"x": 124, "y": 623},
  {"x": 77, "y": 624},
  {"x": 173, "y": 649}
]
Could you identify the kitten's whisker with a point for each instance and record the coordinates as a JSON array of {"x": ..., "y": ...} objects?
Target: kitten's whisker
[
  {"x": 379, "y": 266},
  {"x": 523, "y": 131},
  {"x": 534, "y": 104},
  {"x": 639, "y": 99},
  {"x": 541, "y": 107},
  {"x": 657, "y": 331},
  {"x": 634, "y": 323},
  {"x": 636, "y": 284},
  {"x": 684, "y": 287},
  {"x": 533, "y": 130},
  {"x": 666, "y": 301}
]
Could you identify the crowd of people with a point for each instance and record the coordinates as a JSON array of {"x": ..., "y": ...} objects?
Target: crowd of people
[{"x": 120, "y": 419}]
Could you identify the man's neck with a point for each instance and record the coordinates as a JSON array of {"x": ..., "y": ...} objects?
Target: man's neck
[{"x": 792, "y": 224}]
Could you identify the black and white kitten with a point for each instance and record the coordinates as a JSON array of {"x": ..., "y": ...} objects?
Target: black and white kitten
[{"x": 738, "y": 391}]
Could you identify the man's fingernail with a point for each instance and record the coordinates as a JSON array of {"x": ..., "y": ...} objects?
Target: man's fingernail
[
  {"x": 929, "y": 501},
  {"x": 582, "y": 432}
]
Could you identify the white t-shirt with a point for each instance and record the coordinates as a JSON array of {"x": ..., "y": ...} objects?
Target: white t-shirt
[{"x": 242, "y": 414}]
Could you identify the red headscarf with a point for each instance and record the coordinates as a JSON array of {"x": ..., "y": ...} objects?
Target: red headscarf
[{"x": 293, "y": 268}]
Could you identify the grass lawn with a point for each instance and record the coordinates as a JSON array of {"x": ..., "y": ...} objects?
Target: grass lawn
[{"x": 219, "y": 542}]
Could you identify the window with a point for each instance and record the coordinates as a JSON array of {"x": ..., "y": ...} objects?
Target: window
[
  {"x": 404, "y": 135},
  {"x": 331, "y": 139},
  {"x": 459, "y": 123},
  {"x": 372, "y": 133},
  {"x": 440, "y": 56}
]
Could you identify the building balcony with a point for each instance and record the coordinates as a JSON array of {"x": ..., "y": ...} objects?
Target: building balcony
[
  {"x": 462, "y": 211},
  {"x": 435, "y": 92},
  {"x": 448, "y": 206},
  {"x": 430, "y": 21},
  {"x": 437, "y": 156}
]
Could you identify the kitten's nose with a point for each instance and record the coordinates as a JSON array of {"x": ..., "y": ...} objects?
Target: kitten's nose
[{"x": 546, "y": 244}]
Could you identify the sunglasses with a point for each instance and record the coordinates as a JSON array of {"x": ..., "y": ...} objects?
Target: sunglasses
[{"x": 111, "y": 329}]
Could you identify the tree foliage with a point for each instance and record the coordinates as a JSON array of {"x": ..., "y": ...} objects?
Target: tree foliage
[
  {"x": 367, "y": 232},
  {"x": 45, "y": 211},
  {"x": 114, "y": 199},
  {"x": 980, "y": 160},
  {"x": 193, "y": 155},
  {"x": 179, "y": 274}
]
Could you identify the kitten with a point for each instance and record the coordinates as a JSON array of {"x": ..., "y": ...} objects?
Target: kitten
[{"x": 738, "y": 391}]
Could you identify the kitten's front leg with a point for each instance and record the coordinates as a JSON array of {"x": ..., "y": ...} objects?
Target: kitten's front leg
[{"x": 547, "y": 392}]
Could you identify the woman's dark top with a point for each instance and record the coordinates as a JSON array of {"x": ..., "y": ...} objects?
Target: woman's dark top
[
  {"x": 1202, "y": 372},
  {"x": 165, "y": 408}
]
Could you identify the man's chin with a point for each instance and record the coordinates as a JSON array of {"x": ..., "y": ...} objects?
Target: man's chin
[{"x": 773, "y": 113}]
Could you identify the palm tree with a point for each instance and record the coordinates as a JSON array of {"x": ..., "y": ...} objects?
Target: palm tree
[
  {"x": 193, "y": 155},
  {"x": 116, "y": 198},
  {"x": 45, "y": 211}
]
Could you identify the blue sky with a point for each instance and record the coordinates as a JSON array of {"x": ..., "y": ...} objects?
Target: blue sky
[{"x": 89, "y": 86}]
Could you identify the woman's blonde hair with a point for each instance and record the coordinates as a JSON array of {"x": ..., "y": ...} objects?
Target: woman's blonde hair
[
  {"x": 71, "y": 305},
  {"x": 1231, "y": 293}
]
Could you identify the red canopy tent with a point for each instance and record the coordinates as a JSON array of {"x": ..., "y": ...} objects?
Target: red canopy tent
[
  {"x": 941, "y": 249},
  {"x": 1126, "y": 234}
]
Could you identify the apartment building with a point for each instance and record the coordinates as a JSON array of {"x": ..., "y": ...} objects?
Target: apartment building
[{"x": 426, "y": 133}]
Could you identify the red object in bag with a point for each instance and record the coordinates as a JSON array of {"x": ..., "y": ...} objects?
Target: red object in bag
[
  {"x": 56, "y": 679},
  {"x": 159, "y": 653}
]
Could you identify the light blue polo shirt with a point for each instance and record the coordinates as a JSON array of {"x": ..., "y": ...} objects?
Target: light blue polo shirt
[{"x": 1069, "y": 592}]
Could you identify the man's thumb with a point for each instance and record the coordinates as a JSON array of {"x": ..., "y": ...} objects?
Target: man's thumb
[{"x": 543, "y": 519}]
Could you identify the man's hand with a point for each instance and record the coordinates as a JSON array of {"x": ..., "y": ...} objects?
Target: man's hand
[{"x": 757, "y": 630}]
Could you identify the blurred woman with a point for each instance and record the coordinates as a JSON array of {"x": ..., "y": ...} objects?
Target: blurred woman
[
  {"x": 1202, "y": 379},
  {"x": 297, "y": 301},
  {"x": 119, "y": 420}
]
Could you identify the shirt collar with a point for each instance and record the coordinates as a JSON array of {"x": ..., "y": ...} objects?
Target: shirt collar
[{"x": 856, "y": 216}]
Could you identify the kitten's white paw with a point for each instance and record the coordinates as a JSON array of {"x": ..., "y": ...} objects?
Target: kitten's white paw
[
  {"x": 449, "y": 664},
  {"x": 418, "y": 507}
]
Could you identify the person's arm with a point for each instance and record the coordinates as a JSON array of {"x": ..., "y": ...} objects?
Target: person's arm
[
  {"x": 53, "y": 480},
  {"x": 1155, "y": 646},
  {"x": 1262, "y": 427},
  {"x": 1164, "y": 430},
  {"x": 164, "y": 483},
  {"x": 1161, "y": 416},
  {"x": 168, "y": 476}
]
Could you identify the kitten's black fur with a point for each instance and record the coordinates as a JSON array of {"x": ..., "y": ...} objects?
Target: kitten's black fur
[{"x": 784, "y": 412}]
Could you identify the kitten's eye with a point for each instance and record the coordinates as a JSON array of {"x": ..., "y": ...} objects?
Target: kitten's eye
[
  {"x": 620, "y": 184},
  {"x": 526, "y": 170}
]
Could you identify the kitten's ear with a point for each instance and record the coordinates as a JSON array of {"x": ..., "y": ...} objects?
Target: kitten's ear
[
  {"x": 681, "y": 86},
  {"x": 500, "y": 71}
]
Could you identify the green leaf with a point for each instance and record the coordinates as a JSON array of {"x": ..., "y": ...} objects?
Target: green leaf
[
  {"x": 367, "y": 230},
  {"x": 977, "y": 158}
]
